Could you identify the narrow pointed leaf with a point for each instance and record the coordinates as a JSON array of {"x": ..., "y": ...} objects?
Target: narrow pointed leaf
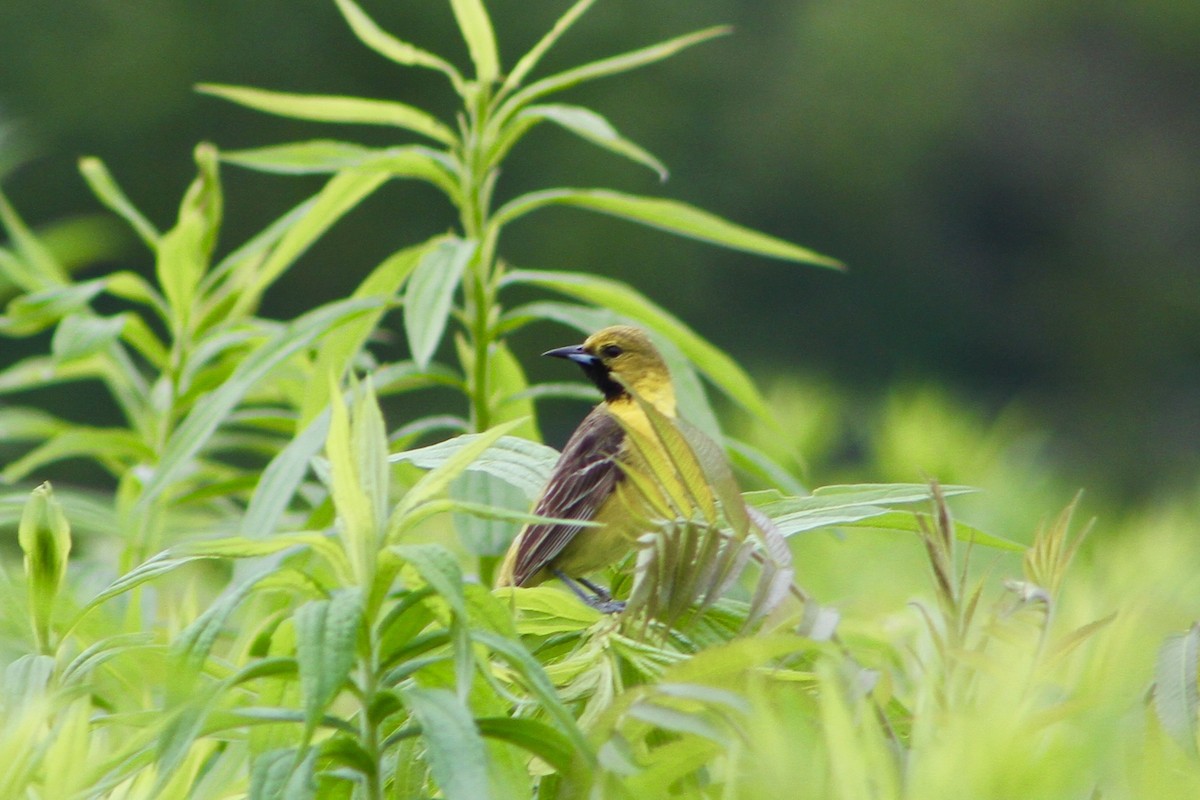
[
  {"x": 456, "y": 752},
  {"x": 521, "y": 463},
  {"x": 613, "y": 65},
  {"x": 429, "y": 293},
  {"x": 527, "y": 62},
  {"x": 326, "y": 648},
  {"x": 437, "y": 480},
  {"x": 671, "y": 216},
  {"x": 335, "y": 108},
  {"x": 596, "y": 129},
  {"x": 340, "y": 194},
  {"x": 109, "y": 193},
  {"x": 476, "y": 29},
  {"x": 388, "y": 46},
  {"x": 194, "y": 432}
]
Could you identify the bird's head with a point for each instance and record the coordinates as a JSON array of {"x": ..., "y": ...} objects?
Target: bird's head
[{"x": 620, "y": 358}]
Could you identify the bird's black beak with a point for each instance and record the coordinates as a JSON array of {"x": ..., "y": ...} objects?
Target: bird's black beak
[{"x": 574, "y": 353}]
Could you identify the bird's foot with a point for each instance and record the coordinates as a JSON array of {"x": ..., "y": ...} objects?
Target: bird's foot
[
  {"x": 606, "y": 605},
  {"x": 601, "y": 599}
]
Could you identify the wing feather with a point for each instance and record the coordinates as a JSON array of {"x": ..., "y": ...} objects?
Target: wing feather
[{"x": 584, "y": 477}]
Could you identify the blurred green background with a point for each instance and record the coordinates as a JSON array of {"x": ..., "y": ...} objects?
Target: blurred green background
[{"x": 1014, "y": 185}]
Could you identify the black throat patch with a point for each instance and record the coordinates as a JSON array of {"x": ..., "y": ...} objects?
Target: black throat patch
[{"x": 599, "y": 374}]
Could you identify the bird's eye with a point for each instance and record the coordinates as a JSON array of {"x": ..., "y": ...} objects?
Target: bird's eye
[{"x": 610, "y": 350}]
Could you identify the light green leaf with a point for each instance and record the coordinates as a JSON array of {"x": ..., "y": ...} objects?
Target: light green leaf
[
  {"x": 45, "y": 538},
  {"x": 436, "y": 481},
  {"x": 31, "y": 313},
  {"x": 1176, "y": 694},
  {"x": 535, "y": 737},
  {"x": 714, "y": 364},
  {"x": 613, "y": 65},
  {"x": 326, "y": 648},
  {"x": 300, "y": 158},
  {"x": 521, "y": 463},
  {"x": 388, "y": 46},
  {"x": 455, "y": 749},
  {"x": 596, "y": 129},
  {"x": 339, "y": 349},
  {"x": 535, "y": 679},
  {"x": 285, "y": 774},
  {"x": 281, "y": 479},
  {"x": 429, "y": 293},
  {"x": 194, "y": 432},
  {"x": 102, "y": 184},
  {"x": 18, "y": 424},
  {"x": 491, "y": 512},
  {"x": 324, "y": 156},
  {"x": 111, "y": 446},
  {"x": 81, "y": 335},
  {"x": 910, "y": 521},
  {"x": 668, "y": 215},
  {"x": 342, "y": 193},
  {"x": 531, "y": 59},
  {"x": 335, "y": 108},
  {"x": 42, "y": 268},
  {"x": 193, "y": 644},
  {"x": 476, "y": 29},
  {"x": 437, "y": 567},
  {"x": 183, "y": 253}
]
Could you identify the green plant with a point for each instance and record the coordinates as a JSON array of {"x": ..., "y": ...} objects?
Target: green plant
[{"x": 280, "y": 598}]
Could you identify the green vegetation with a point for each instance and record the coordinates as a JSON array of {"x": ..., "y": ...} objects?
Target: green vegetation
[{"x": 284, "y": 593}]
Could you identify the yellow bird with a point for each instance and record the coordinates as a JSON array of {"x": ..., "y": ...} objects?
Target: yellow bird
[{"x": 589, "y": 481}]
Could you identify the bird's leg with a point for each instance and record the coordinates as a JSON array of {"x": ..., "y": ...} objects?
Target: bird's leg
[
  {"x": 600, "y": 592},
  {"x": 601, "y": 601}
]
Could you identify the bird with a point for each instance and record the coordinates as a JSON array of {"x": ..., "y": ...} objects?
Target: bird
[{"x": 589, "y": 483}]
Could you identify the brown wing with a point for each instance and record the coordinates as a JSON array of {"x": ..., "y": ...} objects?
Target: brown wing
[{"x": 583, "y": 478}]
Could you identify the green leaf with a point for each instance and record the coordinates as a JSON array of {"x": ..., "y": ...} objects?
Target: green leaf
[
  {"x": 671, "y": 216},
  {"x": 535, "y": 679},
  {"x": 342, "y": 193},
  {"x": 335, "y": 108},
  {"x": 324, "y": 156},
  {"x": 388, "y": 46},
  {"x": 490, "y": 513},
  {"x": 339, "y": 349},
  {"x": 45, "y": 538},
  {"x": 613, "y": 65},
  {"x": 455, "y": 750},
  {"x": 530, "y": 60},
  {"x": 910, "y": 521},
  {"x": 282, "y": 478},
  {"x": 112, "y": 446},
  {"x": 437, "y": 567},
  {"x": 32, "y": 313},
  {"x": 519, "y": 462},
  {"x": 1176, "y": 694},
  {"x": 183, "y": 253},
  {"x": 535, "y": 737},
  {"x": 434, "y": 482},
  {"x": 102, "y": 184},
  {"x": 714, "y": 364},
  {"x": 42, "y": 269},
  {"x": 429, "y": 293},
  {"x": 286, "y": 774},
  {"x": 596, "y": 129},
  {"x": 476, "y": 29},
  {"x": 194, "y": 432},
  {"x": 326, "y": 648},
  {"x": 158, "y": 564},
  {"x": 81, "y": 335}
]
